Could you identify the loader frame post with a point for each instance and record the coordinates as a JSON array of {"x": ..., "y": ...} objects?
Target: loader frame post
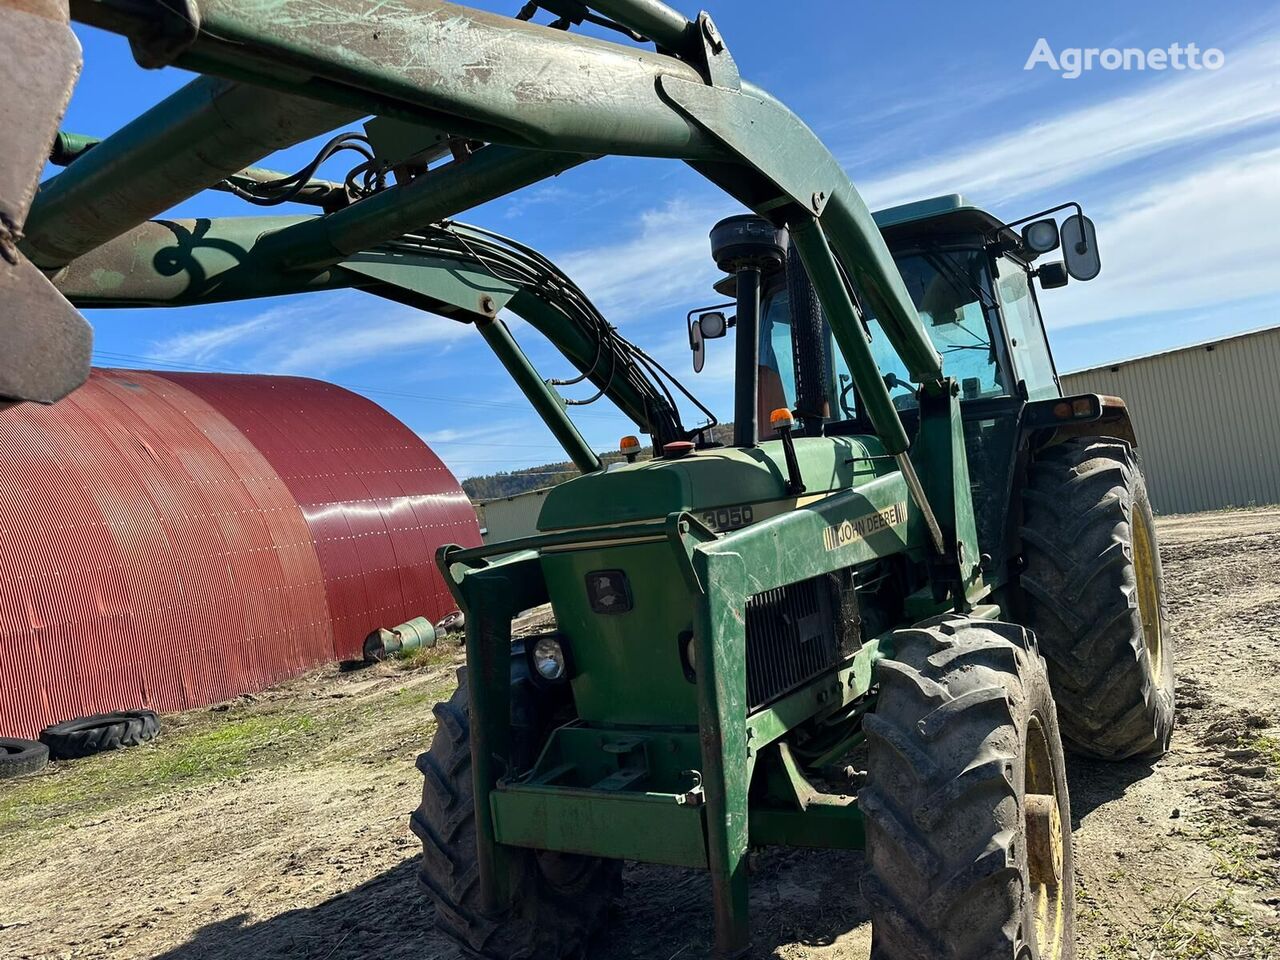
[
  {"x": 540, "y": 394},
  {"x": 719, "y": 635},
  {"x": 492, "y": 596},
  {"x": 489, "y": 684}
]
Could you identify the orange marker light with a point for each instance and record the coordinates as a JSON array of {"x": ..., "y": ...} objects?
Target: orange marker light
[
  {"x": 781, "y": 419},
  {"x": 629, "y": 447}
]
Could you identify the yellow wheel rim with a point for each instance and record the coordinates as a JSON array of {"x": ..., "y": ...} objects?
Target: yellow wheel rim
[
  {"x": 1144, "y": 570},
  {"x": 1046, "y": 846}
]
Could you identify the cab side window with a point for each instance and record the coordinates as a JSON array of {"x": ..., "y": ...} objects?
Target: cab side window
[{"x": 1031, "y": 358}]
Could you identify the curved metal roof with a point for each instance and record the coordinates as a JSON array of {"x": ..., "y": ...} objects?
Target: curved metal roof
[{"x": 174, "y": 539}]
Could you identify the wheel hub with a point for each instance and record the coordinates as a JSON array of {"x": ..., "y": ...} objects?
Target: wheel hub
[
  {"x": 1144, "y": 566},
  {"x": 1044, "y": 839}
]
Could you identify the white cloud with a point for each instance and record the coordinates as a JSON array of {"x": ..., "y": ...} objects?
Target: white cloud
[
  {"x": 666, "y": 262},
  {"x": 1205, "y": 238},
  {"x": 373, "y": 329},
  {"x": 317, "y": 335},
  {"x": 201, "y": 345},
  {"x": 1171, "y": 110}
]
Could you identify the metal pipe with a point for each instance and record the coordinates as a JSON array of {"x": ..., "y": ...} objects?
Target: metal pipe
[
  {"x": 855, "y": 236},
  {"x": 203, "y": 133},
  {"x": 69, "y": 147},
  {"x": 544, "y": 399},
  {"x": 666, "y": 27},
  {"x": 747, "y": 358},
  {"x": 917, "y": 494}
]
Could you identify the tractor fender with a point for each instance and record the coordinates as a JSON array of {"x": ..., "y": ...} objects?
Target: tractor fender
[{"x": 1093, "y": 415}]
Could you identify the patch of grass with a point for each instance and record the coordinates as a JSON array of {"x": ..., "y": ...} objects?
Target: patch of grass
[
  {"x": 186, "y": 757},
  {"x": 1195, "y": 930},
  {"x": 1236, "y": 858},
  {"x": 204, "y": 747},
  {"x": 1189, "y": 928},
  {"x": 444, "y": 652},
  {"x": 1268, "y": 750}
]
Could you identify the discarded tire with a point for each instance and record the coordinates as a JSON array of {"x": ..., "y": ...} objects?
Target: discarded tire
[
  {"x": 105, "y": 731},
  {"x": 21, "y": 757}
]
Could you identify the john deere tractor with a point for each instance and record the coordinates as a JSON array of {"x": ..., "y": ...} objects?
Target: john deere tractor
[{"x": 913, "y": 546}]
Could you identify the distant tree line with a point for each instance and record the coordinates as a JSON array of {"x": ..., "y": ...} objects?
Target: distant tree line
[{"x": 508, "y": 483}]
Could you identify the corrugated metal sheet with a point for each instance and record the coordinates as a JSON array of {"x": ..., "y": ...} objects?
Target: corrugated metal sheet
[
  {"x": 171, "y": 540},
  {"x": 1207, "y": 418},
  {"x": 377, "y": 500}
]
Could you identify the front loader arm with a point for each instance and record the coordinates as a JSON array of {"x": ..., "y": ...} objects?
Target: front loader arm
[
  {"x": 173, "y": 263},
  {"x": 531, "y": 87}
]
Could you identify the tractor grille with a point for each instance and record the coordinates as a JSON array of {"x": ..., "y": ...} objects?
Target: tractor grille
[{"x": 796, "y": 632}]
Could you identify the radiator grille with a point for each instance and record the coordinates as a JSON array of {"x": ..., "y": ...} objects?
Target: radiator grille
[{"x": 796, "y": 632}]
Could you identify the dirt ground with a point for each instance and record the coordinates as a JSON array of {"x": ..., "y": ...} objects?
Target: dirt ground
[{"x": 276, "y": 826}]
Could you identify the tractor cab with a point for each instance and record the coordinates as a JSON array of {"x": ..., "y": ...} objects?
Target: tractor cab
[{"x": 972, "y": 280}]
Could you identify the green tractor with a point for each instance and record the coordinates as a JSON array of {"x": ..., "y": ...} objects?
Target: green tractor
[
  {"x": 914, "y": 546},
  {"x": 731, "y": 620}
]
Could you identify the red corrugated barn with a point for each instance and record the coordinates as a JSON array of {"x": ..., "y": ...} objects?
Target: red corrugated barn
[{"x": 175, "y": 539}]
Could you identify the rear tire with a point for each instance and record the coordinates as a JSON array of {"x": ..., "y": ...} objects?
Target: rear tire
[
  {"x": 561, "y": 901},
  {"x": 1094, "y": 592},
  {"x": 968, "y": 823}
]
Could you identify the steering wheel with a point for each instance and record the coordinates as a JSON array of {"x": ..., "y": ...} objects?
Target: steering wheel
[{"x": 891, "y": 380}]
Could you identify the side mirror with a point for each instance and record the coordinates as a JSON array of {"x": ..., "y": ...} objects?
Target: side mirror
[
  {"x": 1080, "y": 247},
  {"x": 713, "y": 325},
  {"x": 1041, "y": 236},
  {"x": 1052, "y": 275},
  {"x": 698, "y": 345}
]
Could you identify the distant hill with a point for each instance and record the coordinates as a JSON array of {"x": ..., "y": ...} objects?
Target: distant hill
[{"x": 508, "y": 483}]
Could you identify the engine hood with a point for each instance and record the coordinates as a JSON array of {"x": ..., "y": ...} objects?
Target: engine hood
[{"x": 709, "y": 483}]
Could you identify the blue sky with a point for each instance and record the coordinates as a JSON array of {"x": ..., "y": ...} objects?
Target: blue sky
[{"x": 1180, "y": 170}]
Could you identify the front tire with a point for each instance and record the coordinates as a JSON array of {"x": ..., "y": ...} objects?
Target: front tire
[
  {"x": 1094, "y": 592},
  {"x": 968, "y": 822},
  {"x": 561, "y": 901}
]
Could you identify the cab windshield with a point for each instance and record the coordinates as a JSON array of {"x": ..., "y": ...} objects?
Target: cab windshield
[{"x": 950, "y": 291}]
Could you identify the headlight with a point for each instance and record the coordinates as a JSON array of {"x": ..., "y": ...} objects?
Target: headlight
[
  {"x": 549, "y": 659},
  {"x": 688, "y": 656},
  {"x": 1041, "y": 236}
]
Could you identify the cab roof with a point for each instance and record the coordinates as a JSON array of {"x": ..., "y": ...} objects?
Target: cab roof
[{"x": 951, "y": 214}]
